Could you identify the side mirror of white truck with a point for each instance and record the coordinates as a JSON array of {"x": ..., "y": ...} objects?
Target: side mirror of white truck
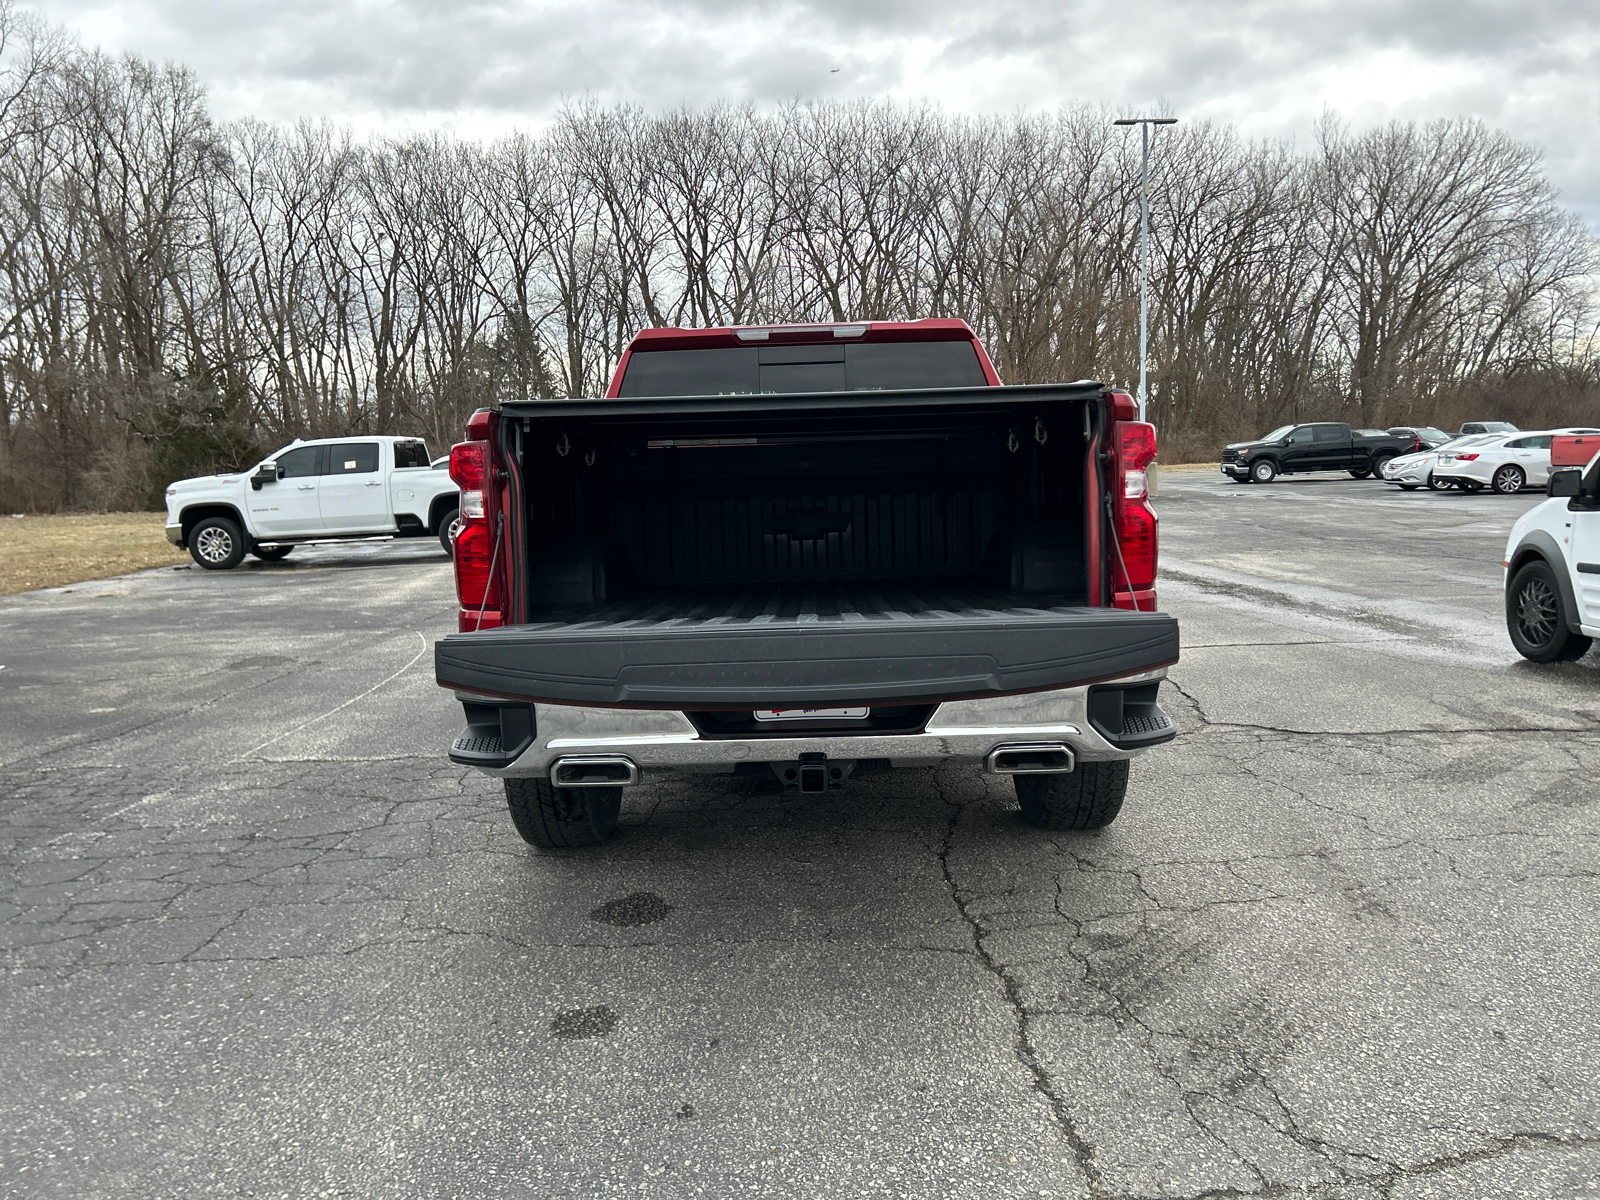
[{"x": 1565, "y": 482}]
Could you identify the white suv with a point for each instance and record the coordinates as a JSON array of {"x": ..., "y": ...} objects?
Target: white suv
[{"x": 1552, "y": 567}]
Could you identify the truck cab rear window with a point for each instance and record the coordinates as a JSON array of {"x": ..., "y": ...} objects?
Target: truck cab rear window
[
  {"x": 410, "y": 454},
  {"x": 797, "y": 369},
  {"x": 359, "y": 458}
]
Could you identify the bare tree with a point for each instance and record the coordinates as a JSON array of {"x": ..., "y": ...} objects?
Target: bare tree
[{"x": 178, "y": 297}]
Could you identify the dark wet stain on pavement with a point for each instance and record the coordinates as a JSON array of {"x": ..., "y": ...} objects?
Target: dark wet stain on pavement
[
  {"x": 584, "y": 1023},
  {"x": 639, "y": 908}
]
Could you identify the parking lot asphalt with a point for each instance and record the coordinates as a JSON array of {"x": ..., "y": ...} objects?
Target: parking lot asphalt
[{"x": 264, "y": 940}]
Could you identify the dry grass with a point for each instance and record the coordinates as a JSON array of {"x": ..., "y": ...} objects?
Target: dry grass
[{"x": 42, "y": 552}]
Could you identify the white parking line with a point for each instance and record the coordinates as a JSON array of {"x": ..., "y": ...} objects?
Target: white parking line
[{"x": 337, "y": 707}]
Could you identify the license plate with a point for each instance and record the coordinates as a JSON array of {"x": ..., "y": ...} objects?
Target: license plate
[{"x": 812, "y": 714}]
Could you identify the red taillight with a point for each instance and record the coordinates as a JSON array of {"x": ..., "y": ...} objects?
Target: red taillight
[
  {"x": 1136, "y": 534},
  {"x": 469, "y": 464},
  {"x": 1465, "y": 457},
  {"x": 477, "y": 570},
  {"x": 1136, "y": 520},
  {"x": 1136, "y": 450},
  {"x": 474, "y": 561}
]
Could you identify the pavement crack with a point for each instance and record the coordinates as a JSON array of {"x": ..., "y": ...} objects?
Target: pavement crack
[
  {"x": 1502, "y": 1146},
  {"x": 1023, "y": 1046},
  {"x": 1207, "y": 722},
  {"x": 1384, "y": 1181},
  {"x": 1194, "y": 702}
]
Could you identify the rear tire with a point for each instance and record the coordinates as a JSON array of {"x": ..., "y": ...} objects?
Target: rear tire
[
  {"x": 1360, "y": 472},
  {"x": 1435, "y": 484},
  {"x": 1263, "y": 471},
  {"x": 217, "y": 544},
  {"x": 1087, "y": 798},
  {"x": 447, "y": 528},
  {"x": 1508, "y": 480},
  {"x": 1537, "y": 617},
  {"x": 1380, "y": 465},
  {"x": 272, "y": 555},
  {"x": 555, "y": 818}
]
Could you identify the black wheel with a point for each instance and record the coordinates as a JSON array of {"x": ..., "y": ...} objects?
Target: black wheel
[
  {"x": 217, "y": 544},
  {"x": 447, "y": 529},
  {"x": 1263, "y": 470},
  {"x": 1409, "y": 487},
  {"x": 1380, "y": 465},
  {"x": 1508, "y": 480},
  {"x": 1360, "y": 472},
  {"x": 555, "y": 818},
  {"x": 1087, "y": 798},
  {"x": 1537, "y": 618},
  {"x": 1435, "y": 484},
  {"x": 1469, "y": 486},
  {"x": 272, "y": 553}
]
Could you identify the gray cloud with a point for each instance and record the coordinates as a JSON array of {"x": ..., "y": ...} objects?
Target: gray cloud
[{"x": 1270, "y": 67}]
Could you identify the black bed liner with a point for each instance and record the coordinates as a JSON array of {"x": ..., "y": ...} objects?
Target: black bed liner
[{"x": 794, "y": 646}]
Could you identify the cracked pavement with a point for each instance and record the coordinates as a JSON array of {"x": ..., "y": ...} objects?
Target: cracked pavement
[{"x": 263, "y": 939}]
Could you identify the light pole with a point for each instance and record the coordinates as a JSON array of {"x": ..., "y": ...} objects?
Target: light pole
[{"x": 1144, "y": 124}]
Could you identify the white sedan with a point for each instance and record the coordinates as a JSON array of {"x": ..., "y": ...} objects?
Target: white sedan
[
  {"x": 1507, "y": 464},
  {"x": 1411, "y": 471}
]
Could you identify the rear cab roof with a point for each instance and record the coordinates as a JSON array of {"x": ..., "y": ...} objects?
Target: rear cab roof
[
  {"x": 926, "y": 397},
  {"x": 931, "y": 329}
]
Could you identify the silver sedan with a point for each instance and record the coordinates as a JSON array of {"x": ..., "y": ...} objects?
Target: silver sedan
[{"x": 1412, "y": 471}]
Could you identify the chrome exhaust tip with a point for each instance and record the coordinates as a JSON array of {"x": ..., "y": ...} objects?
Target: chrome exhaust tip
[
  {"x": 1041, "y": 758},
  {"x": 594, "y": 770}
]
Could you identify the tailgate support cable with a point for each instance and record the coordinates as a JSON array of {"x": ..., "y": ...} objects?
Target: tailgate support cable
[{"x": 500, "y": 528}]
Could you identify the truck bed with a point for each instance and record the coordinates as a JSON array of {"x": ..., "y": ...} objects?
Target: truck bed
[
  {"x": 794, "y": 645},
  {"x": 806, "y": 602}
]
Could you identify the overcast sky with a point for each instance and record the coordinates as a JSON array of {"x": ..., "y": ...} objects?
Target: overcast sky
[{"x": 1531, "y": 67}]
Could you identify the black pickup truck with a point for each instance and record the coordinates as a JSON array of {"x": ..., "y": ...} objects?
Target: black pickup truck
[
  {"x": 1319, "y": 446},
  {"x": 807, "y": 553}
]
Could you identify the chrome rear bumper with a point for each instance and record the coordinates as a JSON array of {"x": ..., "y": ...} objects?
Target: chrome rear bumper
[{"x": 959, "y": 731}]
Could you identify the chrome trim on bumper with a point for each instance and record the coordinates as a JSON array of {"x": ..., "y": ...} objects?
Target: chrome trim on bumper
[
  {"x": 959, "y": 730},
  {"x": 1039, "y": 758},
  {"x": 175, "y": 534},
  {"x": 594, "y": 770}
]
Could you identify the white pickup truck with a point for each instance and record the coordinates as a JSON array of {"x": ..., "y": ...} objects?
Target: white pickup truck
[{"x": 334, "y": 489}]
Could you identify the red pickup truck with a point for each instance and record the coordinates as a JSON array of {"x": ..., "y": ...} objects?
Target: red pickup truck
[{"x": 808, "y": 553}]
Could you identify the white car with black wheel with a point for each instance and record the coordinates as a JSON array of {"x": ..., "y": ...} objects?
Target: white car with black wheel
[
  {"x": 1412, "y": 471},
  {"x": 1507, "y": 464},
  {"x": 1552, "y": 567}
]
